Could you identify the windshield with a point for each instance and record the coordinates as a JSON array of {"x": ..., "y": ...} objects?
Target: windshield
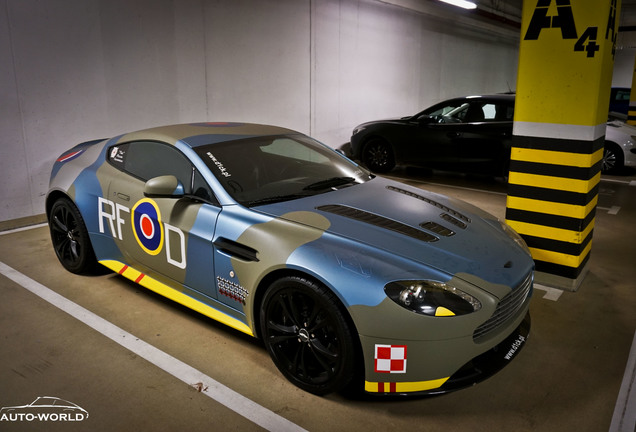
[{"x": 268, "y": 169}]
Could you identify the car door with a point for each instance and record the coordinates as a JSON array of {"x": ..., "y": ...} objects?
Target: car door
[
  {"x": 483, "y": 141},
  {"x": 436, "y": 132},
  {"x": 166, "y": 237}
]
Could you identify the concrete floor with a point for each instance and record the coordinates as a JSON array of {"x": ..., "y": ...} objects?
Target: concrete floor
[{"x": 567, "y": 378}]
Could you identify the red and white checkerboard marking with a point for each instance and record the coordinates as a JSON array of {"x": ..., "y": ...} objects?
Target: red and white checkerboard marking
[{"x": 390, "y": 358}]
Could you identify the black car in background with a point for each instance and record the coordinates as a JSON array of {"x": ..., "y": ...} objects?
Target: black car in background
[
  {"x": 619, "y": 101},
  {"x": 470, "y": 134}
]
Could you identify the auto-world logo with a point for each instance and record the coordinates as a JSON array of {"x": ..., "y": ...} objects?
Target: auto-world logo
[{"x": 44, "y": 409}]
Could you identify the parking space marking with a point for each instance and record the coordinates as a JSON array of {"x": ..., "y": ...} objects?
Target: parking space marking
[
  {"x": 627, "y": 182},
  {"x": 26, "y": 228},
  {"x": 550, "y": 293},
  {"x": 206, "y": 385},
  {"x": 613, "y": 210},
  {"x": 624, "y": 418}
]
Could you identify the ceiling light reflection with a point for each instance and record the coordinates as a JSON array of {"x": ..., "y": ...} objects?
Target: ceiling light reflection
[{"x": 461, "y": 3}]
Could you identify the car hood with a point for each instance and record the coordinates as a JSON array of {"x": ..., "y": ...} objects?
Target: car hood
[
  {"x": 429, "y": 229},
  {"x": 616, "y": 127},
  {"x": 398, "y": 120}
]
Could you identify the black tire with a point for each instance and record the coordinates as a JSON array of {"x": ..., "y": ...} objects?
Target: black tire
[
  {"x": 377, "y": 155},
  {"x": 307, "y": 335},
  {"x": 70, "y": 238},
  {"x": 612, "y": 159}
]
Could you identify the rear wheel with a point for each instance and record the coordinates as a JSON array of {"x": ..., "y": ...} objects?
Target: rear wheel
[
  {"x": 378, "y": 156},
  {"x": 70, "y": 237},
  {"x": 307, "y": 335}
]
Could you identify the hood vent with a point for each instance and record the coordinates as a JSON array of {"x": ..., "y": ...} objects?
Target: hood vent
[
  {"x": 437, "y": 229},
  {"x": 456, "y": 222},
  {"x": 446, "y": 209},
  {"x": 379, "y": 221}
]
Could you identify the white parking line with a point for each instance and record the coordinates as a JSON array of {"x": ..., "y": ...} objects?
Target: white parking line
[
  {"x": 627, "y": 182},
  {"x": 213, "y": 389},
  {"x": 613, "y": 210},
  {"x": 624, "y": 418},
  {"x": 26, "y": 228},
  {"x": 550, "y": 293}
]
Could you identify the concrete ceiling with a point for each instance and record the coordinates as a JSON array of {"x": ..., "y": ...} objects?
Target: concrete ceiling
[{"x": 503, "y": 17}]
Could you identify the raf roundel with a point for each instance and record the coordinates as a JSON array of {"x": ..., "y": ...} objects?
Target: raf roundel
[{"x": 146, "y": 223}]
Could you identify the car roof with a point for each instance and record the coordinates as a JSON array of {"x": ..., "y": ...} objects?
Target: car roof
[
  {"x": 196, "y": 134},
  {"x": 498, "y": 96}
]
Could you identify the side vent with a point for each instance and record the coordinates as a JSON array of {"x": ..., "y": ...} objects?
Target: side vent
[
  {"x": 236, "y": 250},
  {"x": 446, "y": 209},
  {"x": 379, "y": 221}
]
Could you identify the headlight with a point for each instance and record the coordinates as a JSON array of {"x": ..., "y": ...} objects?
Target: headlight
[
  {"x": 514, "y": 235},
  {"x": 431, "y": 298}
]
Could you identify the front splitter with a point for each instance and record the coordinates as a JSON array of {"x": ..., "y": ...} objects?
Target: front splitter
[{"x": 481, "y": 367}]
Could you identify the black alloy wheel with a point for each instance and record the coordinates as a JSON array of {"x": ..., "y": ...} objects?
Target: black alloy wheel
[
  {"x": 378, "y": 156},
  {"x": 70, "y": 238},
  {"x": 307, "y": 335},
  {"x": 612, "y": 159}
]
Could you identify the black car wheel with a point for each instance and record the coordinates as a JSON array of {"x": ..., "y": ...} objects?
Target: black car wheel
[
  {"x": 70, "y": 237},
  {"x": 378, "y": 156},
  {"x": 307, "y": 335},
  {"x": 612, "y": 158}
]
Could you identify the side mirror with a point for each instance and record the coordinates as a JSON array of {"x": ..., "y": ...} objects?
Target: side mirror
[
  {"x": 424, "y": 120},
  {"x": 164, "y": 187}
]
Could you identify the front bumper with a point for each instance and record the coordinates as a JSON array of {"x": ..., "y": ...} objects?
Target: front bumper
[{"x": 478, "y": 369}]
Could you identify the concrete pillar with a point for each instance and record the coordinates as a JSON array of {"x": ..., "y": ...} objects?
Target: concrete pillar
[{"x": 566, "y": 59}]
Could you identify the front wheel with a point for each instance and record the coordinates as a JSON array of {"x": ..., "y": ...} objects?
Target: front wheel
[
  {"x": 307, "y": 335},
  {"x": 70, "y": 237},
  {"x": 612, "y": 158},
  {"x": 378, "y": 156}
]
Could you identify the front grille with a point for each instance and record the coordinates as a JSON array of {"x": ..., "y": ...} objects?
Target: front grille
[{"x": 507, "y": 307}]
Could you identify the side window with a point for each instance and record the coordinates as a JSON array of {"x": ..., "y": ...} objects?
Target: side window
[
  {"x": 474, "y": 113},
  {"x": 200, "y": 189},
  {"x": 490, "y": 111},
  {"x": 150, "y": 159},
  {"x": 444, "y": 110},
  {"x": 504, "y": 112},
  {"x": 147, "y": 159},
  {"x": 622, "y": 95}
]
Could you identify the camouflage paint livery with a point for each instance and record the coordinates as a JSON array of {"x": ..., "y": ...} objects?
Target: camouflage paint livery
[{"x": 218, "y": 257}]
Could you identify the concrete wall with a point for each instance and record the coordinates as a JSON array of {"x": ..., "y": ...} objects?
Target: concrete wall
[
  {"x": 624, "y": 67},
  {"x": 74, "y": 70}
]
